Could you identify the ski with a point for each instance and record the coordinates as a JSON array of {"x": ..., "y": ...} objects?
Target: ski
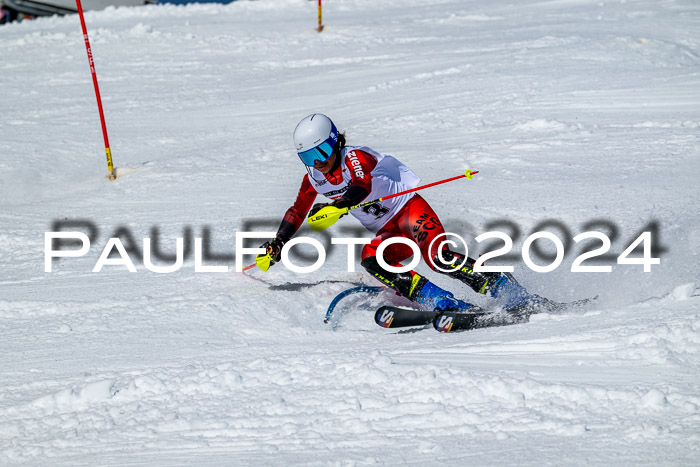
[
  {"x": 546, "y": 305},
  {"x": 450, "y": 321},
  {"x": 394, "y": 317},
  {"x": 296, "y": 286},
  {"x": 359, "y": 289}
]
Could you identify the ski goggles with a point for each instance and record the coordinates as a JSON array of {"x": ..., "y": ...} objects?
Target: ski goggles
[{"x": 320, "y": 153}]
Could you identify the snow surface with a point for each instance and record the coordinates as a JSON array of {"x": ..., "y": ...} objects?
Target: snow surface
[{"x": 576, "y": 111}]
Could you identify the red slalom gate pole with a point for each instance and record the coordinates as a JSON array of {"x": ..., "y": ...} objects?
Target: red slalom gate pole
[
  {"x": 320, "y": 18},
  {"x": 108, "y": 151}
]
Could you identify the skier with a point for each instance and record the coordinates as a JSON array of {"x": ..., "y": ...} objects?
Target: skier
[{"x": 349, "y": 175}]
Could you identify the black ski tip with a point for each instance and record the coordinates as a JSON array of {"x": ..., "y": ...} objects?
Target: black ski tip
[
  {"x": 451, "y": 321},
  {"x": 384, "y": 316},
  {"x": 389, "y": 316}
]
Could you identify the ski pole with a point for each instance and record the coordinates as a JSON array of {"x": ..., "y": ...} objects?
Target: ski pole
[
  {"x": 108, "y": 151},
  {"x": 329, "y": 215}
]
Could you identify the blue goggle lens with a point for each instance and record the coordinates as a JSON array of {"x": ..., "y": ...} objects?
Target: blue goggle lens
[{"x": 320, "y": 153}]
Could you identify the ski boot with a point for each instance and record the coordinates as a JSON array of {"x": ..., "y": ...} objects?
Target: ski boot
[
  {"x": 416, "y": 288},
  {"x": 515, "y": 297},
  {"x": 498, "y": 285},
  {"x": 438, "y": 299}
]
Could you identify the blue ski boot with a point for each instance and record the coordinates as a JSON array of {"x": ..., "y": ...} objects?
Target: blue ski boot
[
  {"x": 416, "y": 288},
  {"x": 499, "y": 285},
  {"x": 514, "y": 295},
  {"x": 438, "y": 298}
]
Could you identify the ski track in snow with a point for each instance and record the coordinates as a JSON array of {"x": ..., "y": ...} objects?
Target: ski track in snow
[{"x": 578, "y": 112}]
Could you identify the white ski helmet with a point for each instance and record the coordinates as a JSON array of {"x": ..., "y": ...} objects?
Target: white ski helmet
[{"x": 314, "y": 139}]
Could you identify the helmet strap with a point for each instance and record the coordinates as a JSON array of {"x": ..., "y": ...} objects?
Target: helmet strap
[{"x": 310, "y": 171}]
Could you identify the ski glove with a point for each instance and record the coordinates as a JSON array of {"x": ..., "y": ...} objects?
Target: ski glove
[
  {"x": 318, "y": 206},
  {"x": 273, "y": 248}
]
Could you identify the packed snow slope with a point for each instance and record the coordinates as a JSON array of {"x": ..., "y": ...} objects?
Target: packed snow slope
[{"x": 578, "y": 115}]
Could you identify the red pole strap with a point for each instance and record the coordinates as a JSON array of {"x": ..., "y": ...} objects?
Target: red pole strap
[{"x": 108, "y": 151}]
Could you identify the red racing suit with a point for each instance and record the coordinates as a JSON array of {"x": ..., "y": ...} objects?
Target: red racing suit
[{"x": 362, "y": 174}]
